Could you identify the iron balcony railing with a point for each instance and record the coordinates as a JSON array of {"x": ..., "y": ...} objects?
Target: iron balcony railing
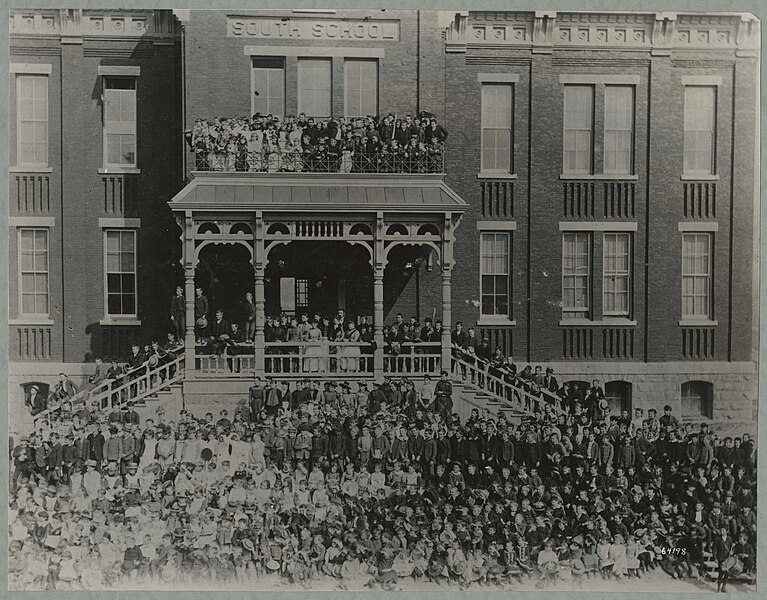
[{"x": 406, "y": 161}]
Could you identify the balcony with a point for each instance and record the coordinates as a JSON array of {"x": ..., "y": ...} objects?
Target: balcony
[{"x": 347, "y": 162}]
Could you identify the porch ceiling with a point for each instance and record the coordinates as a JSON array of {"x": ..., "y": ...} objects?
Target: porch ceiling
[{"x": 280, "y": 191}]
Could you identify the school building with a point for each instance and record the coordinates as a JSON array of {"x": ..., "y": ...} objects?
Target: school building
[{"x": 597, "y": 210}]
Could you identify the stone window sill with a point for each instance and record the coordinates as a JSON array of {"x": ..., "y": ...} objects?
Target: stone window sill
[
  {"x": 119, "y": 171},
  {"x": 495, "y": 322},
  {"x": 607, "y": 322},
  {"x": 698, "y": 323},
  {"x": 31, "y": 321},
  {"x": 699, "y": 177},
  {"x": 116, "y": 321},
  {"x": 489, "y": 175},
  {"x": 30, "y": 169},
  {"x": 598, "y": 177}
]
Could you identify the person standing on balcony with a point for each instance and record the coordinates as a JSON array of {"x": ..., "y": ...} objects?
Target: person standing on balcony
[
  {"x": 249, "y": 309},
  {"x": 201, "y": 308},
  {"x": 386, "y": 129},
  {"x": 405, "y": 130},
  {"x": 178, "y": 313},
  {"x": 435, "y": 132},
  {"x": 351, "y": 354},
  {"x": 220, "y": 333}
]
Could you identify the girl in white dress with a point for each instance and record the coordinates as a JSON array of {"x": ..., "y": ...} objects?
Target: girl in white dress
[
  {"x": 314, "y": 350},
  {"x": 150, "y": 450},
  {"x": 351, "y": 354}
]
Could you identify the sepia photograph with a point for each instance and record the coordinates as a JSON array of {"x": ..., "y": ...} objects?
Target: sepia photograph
[{"x": 307, "y": 299}]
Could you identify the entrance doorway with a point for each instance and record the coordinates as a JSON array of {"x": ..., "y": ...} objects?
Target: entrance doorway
[
  {"x": 225, "y": 274},
  {"x": 319, "y": 278},
  {"x": 618, "y": 396}
]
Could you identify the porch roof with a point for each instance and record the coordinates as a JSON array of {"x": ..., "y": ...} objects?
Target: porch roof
[{"x": 311, "y": 192}]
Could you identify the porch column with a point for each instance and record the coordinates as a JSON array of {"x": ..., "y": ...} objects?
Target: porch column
[
  {"x": 190, "y": 347},
  {"x": 378, "y": 318},
  {"x": 379, "y": 263},
  {"x": 259, "y": 298},
  {"x": 447, "y": 305}
]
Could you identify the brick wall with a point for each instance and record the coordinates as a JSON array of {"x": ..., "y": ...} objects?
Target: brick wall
[{"x": 77, "y": 195}]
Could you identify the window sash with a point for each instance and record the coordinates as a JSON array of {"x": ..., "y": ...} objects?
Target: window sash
[
  {"x": 32, "y": 120},
  {"x": 576, "y": 265},
  {"x": 699, "y": 129},
  {"x": 360, "y": 88},
  {"x": 34, "y": 278},
  {"x": 497, "y": 127},
  {"x": 495, "y": 282},
  {"x": 268, "y": 79},
  {"x": 618, "y": 129},
  {"x": 302, "y": 293},
  {"x": 578, "y": 128},
  {"x": 616, "y": 273},
  {"x": 696, "y": 275},
  {"x": 314, "y": 88},
  {"x": 119, "y": 122},
  {"x": 120, "y": 276}
]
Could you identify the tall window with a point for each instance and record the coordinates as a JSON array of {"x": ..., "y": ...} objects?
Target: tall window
[
  {"x": 696, "y": 275},
  {"x": 616, "y": 273},
  {"x": 361, "y": 88},
  {"x": 120, "y": 263},
  {"x": 497, "y": 103},
  {"x": 619, "y": 129},
  {"x": 579, "y": 111},
  {"x": 120, "y": 121},
  {"x": 699, "y": 129},
  {"x": 314, "y": 87},
  {"x": 494, "y": 277},
  {"x": 32, "y": 120},
  {"x": 33, "y": 271},
  {"x": 268, "y": 86},
  {"x": 576, "y": 255}
]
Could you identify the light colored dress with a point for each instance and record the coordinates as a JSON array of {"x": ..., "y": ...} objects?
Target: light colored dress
[
  {"x": 618, "y": 556},
  {"x": 350, "y": 355},
  {"x": 314, "y": 352}
]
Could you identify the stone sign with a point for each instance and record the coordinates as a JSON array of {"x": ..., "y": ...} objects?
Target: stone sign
[{"x": 360, "y": 30}]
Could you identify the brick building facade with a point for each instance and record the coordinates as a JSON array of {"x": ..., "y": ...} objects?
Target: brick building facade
[{"x": 607, "y": 160}]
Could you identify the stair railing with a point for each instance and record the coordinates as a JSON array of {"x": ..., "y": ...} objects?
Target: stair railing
[
  {"x": 134, "y": 385},
  {"x": 477, "y": 374}
]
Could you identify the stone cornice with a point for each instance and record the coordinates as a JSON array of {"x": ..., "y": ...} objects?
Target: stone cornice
[
  {"x": 72, "y": 25},
  {"x": 661, "y": 33}
]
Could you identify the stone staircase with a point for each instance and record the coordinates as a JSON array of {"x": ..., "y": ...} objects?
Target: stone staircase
[
  {"x": 467, "y": 397},
  {"x": 148, "y": 387},
  {"x": 475, "y": 386}
]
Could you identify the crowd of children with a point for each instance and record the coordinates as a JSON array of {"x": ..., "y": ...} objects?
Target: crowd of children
[
  {"x": 373, "y": 483},
  {"x": 268, "y": 143}
]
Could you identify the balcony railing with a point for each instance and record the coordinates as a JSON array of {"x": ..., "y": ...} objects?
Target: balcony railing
[
  {"x": 346, "y": 162},
  {"x": 321, "y": 358}
]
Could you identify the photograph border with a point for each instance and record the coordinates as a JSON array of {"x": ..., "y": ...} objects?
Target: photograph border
[{"x": 755, "y": 7}]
